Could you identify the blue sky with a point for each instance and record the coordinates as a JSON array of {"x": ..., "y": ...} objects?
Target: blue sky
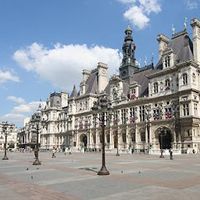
[{"x": 44, "y": 45}]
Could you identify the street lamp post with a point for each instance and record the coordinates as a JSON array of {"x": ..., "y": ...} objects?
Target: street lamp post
[
  {"x": 5, "y": 126},
  {"x": 161, "y": 144},
  {"x": 36, "y": 120},
  {"x": 117, "y": 154},
  {"x": 147, "y": 119},
  {"x": 102, "y": 106}
]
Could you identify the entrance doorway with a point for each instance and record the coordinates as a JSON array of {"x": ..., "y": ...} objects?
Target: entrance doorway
[
  {"x": 165, "y": 138},
  {"x": 83, "y": 140}
]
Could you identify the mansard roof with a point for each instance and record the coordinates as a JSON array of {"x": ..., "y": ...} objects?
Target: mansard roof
[
  {"x": 91, "y": 83},
  {"x": 139, "y": 78},
  {"x": 181, "y": 45}
]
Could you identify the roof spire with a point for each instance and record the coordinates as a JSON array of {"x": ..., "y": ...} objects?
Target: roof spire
[
  {"x": 185, "y": 23},
  {"x": 74, "y": 92},
  {"x": 173, "y": 29}
]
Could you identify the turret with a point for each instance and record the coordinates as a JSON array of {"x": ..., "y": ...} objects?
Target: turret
[
  {"x": 195, "y": 23},
  {"x": 128, "y": 66}
]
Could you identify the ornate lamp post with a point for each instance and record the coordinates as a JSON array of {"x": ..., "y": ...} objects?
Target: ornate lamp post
[
  {"x": 147, "y": 119},
  {"x": 117, "y": 137},
  {"x": 102, "y": 106},
  {"x": 5, "y": 127},
  {"x": 36, "y": 120},
  {"x": 161, "y": 143},
  {"x": 115, "y": 121}
]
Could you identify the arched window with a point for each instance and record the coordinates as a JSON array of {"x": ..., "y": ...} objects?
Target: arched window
[
  {"x": 185, "y": 79},
  {"x": 155, "y": 87},
  {"x": 167, "y": 84}
]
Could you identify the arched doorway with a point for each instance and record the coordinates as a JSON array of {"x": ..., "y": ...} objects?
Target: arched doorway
[
  {"x": 83, "y": 140},
  {"x": 165, "y": 138}
]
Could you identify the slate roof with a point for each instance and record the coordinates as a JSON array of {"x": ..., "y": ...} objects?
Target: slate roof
[
  {"x": 182, "y": 46},
  {"x": 91, "y": 83},
  {"x": 141, "y": 78}
]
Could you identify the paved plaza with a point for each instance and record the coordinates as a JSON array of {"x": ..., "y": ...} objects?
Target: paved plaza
[{"x": 73, "y": 177}]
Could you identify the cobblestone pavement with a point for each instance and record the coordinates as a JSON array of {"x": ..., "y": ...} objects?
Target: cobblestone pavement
[{"x": 74, "y": 177}]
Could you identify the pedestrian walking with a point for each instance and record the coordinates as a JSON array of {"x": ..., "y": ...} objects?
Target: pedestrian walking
[
  {"x": 53, "y": 152},
  {"x": 171, "y": 154}
]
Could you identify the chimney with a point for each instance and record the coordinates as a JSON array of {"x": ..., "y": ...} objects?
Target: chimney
[
  {"x": 163, "y": 42},
  {"x": 86, "y": 74},
  {"x": 102, "y": 76},
  {"x": 195, "y": 23}
]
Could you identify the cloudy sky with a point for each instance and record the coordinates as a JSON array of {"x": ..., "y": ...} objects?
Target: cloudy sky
[{"x": 45, "y": 44}]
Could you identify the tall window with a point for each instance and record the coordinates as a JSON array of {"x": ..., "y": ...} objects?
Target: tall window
[
  {"x": 185, "y": 109},
  {"x": 185, "y": 79},
  {"x": 167, "y": 61},
  {"x": 142, "y": 113},
  {"x": 132, "y": 115},
  {"x": 157, "y": 114},
  {"x": 123, "y": 116},
  {"x": 155, "y": 87},
  {"x": 115, "y": 117},
  {"x": 168, "y": 113},
  {"x": 167, "y": 84}
]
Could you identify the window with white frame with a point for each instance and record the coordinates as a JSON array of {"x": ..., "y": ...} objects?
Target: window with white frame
[
  {"x": 142, "y": 113},
  {"x": 167, "y": 61},
  {"x": 185, "y": 79},
  {"x": 185, "y": 109},
  {"x": 123, "y": 116},
  {"x": 155, "y": 87}
]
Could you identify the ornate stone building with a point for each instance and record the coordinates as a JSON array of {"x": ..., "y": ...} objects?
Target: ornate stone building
[{"x": 153, "y": 107}]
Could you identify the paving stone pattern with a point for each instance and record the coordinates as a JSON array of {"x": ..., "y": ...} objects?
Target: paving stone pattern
[{"x": 74, "y": 177}]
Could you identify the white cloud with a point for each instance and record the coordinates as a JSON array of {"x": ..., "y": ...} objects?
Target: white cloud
[
  {"x": 17, "y": 100},
  {"x": 20, "y": 111},
  {"x": 15, "y": 118},
  {"x": 127, "y": 1},
  {"x": 26, "y": 107},
  {"x": 6, "y": 75},
  {"x": 192, "y": 4},
  {"x": 62, "y": 64},
  {"x": 138, "y": 12},
  {"x": 135, "y": 15}
]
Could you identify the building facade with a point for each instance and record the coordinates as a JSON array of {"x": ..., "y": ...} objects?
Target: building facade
[
  {"x": 11, "y": 131},
  {"x": 153, "y": 107}
]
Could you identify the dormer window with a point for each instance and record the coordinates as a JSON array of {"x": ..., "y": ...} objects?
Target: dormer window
[
  {"x": 185, "y": 79},
  {"x": 155, "y": 87},
  {"x": 167, "y": 61}
]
